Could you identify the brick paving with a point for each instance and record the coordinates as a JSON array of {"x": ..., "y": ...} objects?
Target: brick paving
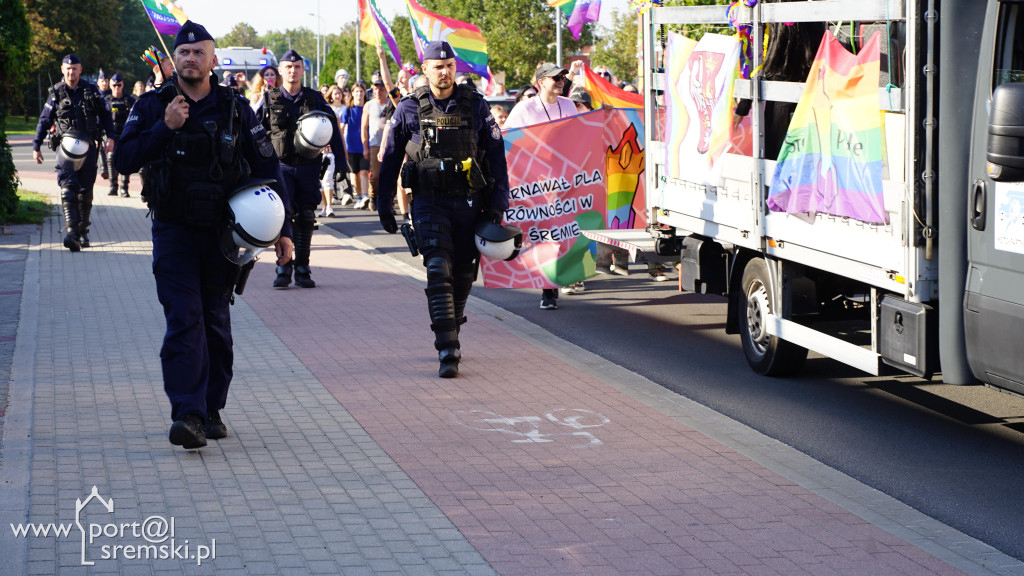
[{"x": 347, "y": 455}]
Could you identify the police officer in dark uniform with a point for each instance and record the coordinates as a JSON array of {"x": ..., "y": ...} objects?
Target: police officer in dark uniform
[
  {"x": 280, "y": 112},
  {"x": 75, "y": 105},
  {"x": 458, "y": 176},
  {"x": 119, "y": 104},
  {"x": 199, "y": 141}
]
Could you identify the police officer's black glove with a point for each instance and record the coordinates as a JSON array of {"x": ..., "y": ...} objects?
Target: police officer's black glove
[
  {"x": 495, "y": 215},
  {"x": 387, "y": 221},
  {"x": 324, "y": 165}
]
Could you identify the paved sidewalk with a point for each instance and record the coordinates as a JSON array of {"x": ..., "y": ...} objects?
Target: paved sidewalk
[{"x": 347, "y": 455}]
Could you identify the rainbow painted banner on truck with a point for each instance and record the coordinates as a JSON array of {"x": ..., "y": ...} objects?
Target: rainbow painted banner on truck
[
  {"x": 831, "y": 161},
  {"x": 699, "y": 105},
  {"x": 579, "y": 173}
]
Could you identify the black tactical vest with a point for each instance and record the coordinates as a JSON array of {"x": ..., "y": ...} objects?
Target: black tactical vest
[
  {"x": 119, "y": 110},
  {"x": 82, "y": 115},
  {"x": 447, "y": 142},
  {"x": 201, "y": 166},
  {"x": 281, "y": 123}
]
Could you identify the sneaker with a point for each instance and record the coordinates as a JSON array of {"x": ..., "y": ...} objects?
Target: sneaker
[
  {"x": 187, "y": 432},
  {"x": 603, "y": 269},
  {"x": 347, "y": 199},
  {"x": 620, "y": 270},
  {"x": 330, "y": 212},
  {"x": 372, "y": 205},
  {"x": 361, "y": 203},
  {"x": 658, "y": 276},
  {"x": 548, "y": 301},
  {"x": 575, "y": 288},
  {"x": 322, "y": 213},
  {"x": 215, "y": 429}
]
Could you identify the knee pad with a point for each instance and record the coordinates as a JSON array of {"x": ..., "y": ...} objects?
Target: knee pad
[
  {"x": 305, "y": 218},
  {"x": 68, "y": 194},
  {"x": 439, "y": 271}
]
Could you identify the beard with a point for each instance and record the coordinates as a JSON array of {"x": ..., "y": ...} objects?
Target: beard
[
  {"x": 443, "y": 83},
  {"x": 192, "y": 76}
]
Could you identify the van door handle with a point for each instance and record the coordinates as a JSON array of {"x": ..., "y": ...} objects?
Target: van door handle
[{"x": 978, "y": 205}]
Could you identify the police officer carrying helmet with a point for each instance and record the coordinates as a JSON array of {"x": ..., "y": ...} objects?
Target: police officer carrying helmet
[
  {"x": 80, "y": 117},
  {"x": 119, "y": 104},
  {"x": 199, "y": 141},
  {"x": 300, "y": 124},
  {"x": 458, "y": 176}
]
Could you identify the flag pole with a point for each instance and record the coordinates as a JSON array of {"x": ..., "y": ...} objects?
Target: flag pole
[
  {"x": 162, "y": 42},
  {"x": 558, "y": 37}
]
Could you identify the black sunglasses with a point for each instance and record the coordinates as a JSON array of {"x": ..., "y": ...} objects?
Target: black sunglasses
[
  {"x": 117, "y": 84},
  {"x": 559, "y": 78}
]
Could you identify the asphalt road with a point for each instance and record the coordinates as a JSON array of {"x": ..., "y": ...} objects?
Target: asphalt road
[{"x": 954, "y": 453}]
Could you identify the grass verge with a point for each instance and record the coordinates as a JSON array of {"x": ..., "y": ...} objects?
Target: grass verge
[
  {"x": 17, "y": 125},
  {"x": 32, "y": 208}
]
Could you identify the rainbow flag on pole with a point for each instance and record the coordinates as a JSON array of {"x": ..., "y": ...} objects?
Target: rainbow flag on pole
[
  {"x": 374, "y": 29},
  {"x": 466, "y": 39},
  {"x": 579, "y": 12},
  {"x": 167, "y": 18},
  {"x": 831, "y": 161}
]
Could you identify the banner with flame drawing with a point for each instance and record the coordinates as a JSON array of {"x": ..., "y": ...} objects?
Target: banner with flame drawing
[
  {"x": 579, "y": 173},
  {"x": 699, "y": 105}
]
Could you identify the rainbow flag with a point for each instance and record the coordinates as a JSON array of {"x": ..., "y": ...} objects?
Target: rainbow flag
[
  {"x": 584, "y": 11},
  {"x": 579, "y": 12},
  {"x": 374, "y": 29},
  {"x": 466, "y": 39},
  {"x": 831, "y": 161},
  {"x": 167, "y": 18},
  {"x": 604, "y": 92}
]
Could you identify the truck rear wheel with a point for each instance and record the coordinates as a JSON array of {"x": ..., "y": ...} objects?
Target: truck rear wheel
[{"x": 766, "y": 354}]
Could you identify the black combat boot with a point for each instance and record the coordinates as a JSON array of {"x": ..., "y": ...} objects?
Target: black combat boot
[
  {"x": 284, "y": 276},
  {"x": 462, "y": 283},
  {"x": 84, "y": 212},
  {"x": 302, "y": 238},
  {"x": 441, "y": 305},
  {"x": 69, "y": 202}
]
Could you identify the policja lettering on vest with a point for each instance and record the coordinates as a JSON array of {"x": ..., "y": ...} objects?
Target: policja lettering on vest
[
  {"x": 459, "y": 177},
  {"x": 201, "y": 143},
  {"x": 301, "y": 124},
  {"x": 79, "y": 116}
]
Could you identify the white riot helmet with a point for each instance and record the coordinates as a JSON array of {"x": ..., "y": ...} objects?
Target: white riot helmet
[
  {"x": 498, "y": 242},
  {"x": 72, "y": 150},
  {"x": 255, "y": 217},
  {"x": 313, "y": 133}
]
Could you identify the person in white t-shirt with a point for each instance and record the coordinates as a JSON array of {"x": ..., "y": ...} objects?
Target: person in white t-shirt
[{"x": 548, "y": 105}]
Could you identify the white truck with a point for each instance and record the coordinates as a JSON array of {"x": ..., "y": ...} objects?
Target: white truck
[{"x": 940, "y": 287}]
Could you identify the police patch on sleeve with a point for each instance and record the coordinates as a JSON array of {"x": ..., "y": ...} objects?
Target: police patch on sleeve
[
  {"x": 263, "y": 145},
  {"x": 495, "y": 130}
]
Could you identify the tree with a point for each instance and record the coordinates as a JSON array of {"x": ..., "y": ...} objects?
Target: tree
[
  {"x": 616, "y": 48},
  {"x": 136, "y": 33},
  {"x": 84, "y": 27},
  {"x": 14, "y": 60},
  {"x": 241, "y": 35}
]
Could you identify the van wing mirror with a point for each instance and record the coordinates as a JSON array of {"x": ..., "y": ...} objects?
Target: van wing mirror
[{"x": 1005, "y": 149}]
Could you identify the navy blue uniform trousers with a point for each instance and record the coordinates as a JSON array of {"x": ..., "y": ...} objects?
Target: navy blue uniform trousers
[
  {"x": 191, "y": 278},
  {"x": 458, "y": 217}
]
